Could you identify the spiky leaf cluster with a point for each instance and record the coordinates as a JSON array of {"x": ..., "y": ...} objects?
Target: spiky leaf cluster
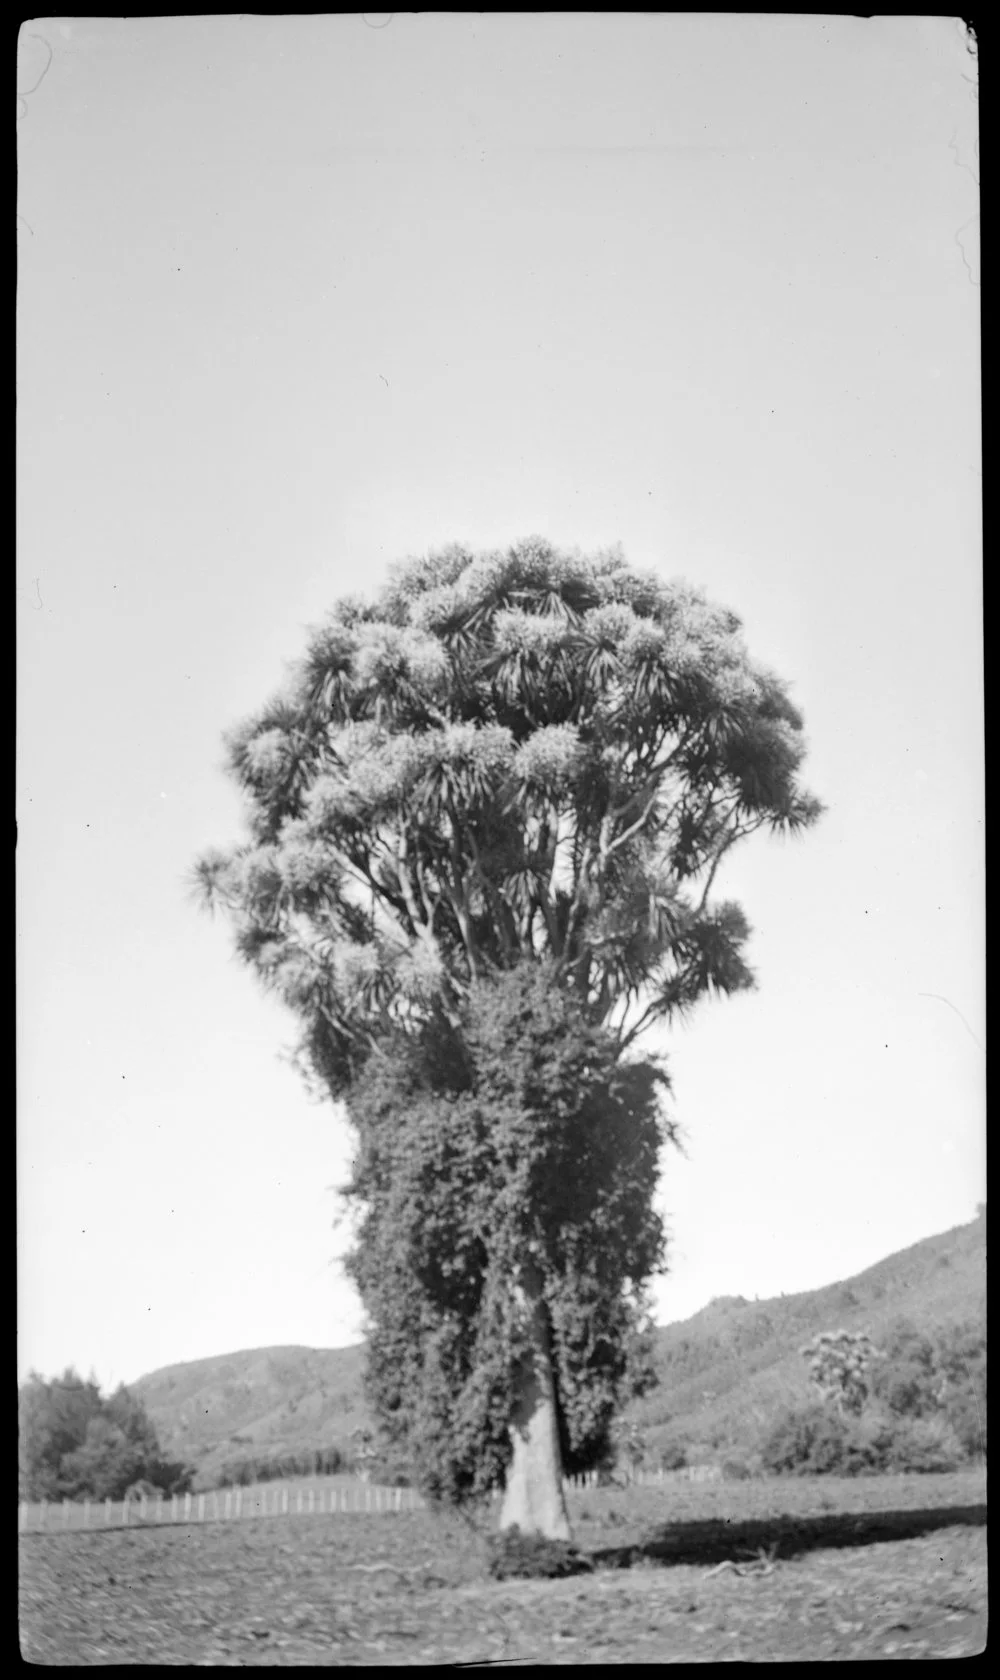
[
  {"x": 840, "y": 1365},
  {"x": 502, "y": 757}
]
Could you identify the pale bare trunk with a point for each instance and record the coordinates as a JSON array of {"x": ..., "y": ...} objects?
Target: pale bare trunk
[{"x": 533, "y": 1498}]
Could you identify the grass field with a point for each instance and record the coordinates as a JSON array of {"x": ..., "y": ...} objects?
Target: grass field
[{"x": 824, "y": 1570}]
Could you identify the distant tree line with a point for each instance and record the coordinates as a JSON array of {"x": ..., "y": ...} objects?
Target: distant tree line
[
  {"x": 384, "y": 1465},
  {"x": 318, "y": 1461},
  {"x": 75, "y": 1443}
]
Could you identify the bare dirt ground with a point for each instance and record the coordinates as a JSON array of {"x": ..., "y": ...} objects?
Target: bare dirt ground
[{"x": 412, "y": 1590}]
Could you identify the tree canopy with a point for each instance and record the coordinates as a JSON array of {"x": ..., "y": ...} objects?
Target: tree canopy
[
  {"x": 501, "y": 758},
  {"x": 74, "y": 1444}
]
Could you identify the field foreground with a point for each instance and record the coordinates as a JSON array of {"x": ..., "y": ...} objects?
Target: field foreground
[{"x": 813, "y": 1582}]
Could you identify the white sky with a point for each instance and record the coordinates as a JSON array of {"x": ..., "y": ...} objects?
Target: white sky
[{"x": 299, "y": 296}]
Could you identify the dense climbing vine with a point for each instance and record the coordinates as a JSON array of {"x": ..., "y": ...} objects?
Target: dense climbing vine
[{"x": 523, "y": 1129}]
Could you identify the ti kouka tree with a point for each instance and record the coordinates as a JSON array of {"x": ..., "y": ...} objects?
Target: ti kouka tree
[
  {"x": 840, "y": 1365},
  {"x": 485, "y": 821}
]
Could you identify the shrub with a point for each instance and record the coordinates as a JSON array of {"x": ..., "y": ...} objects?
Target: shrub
[
  {"x": 817, "y": 1440},
  {"x": 967, "y": 1416},
  {"x": 940, "y": 1378},
  {"x": 925, "y": 1445},
  {"x": 673, "y": 1456},
  {"x": 736, "y": 1469},
  {"x": 867, "y": 1444},
  {"x": 904, "y": 1379},
  {"x": 517, "y": 1556},
  {"x": 961, "y": 1366}
]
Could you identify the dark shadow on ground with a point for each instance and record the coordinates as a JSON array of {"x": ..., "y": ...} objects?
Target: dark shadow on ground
[{"x": 717, "y": 1541}]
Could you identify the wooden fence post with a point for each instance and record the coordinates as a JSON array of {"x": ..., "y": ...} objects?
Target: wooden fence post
[
  {"x": 187, "y": 1507},
  {"x": 107, "y": 1512},
  {"x": 284, "y": 1501},
  {"x": 201, "y": 1507},
  {"x": 173, "y": 1507}
]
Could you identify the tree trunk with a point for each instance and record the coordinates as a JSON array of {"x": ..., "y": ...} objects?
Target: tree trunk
[{"x": 533, "y": 1497}]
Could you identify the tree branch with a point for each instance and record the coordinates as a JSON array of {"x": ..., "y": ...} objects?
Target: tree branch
[
  {"x": 429, "y": 905},
  {"x": 458, "y": 898},
  {"x": 640, "y": 823},
  {"x": 738, "y": 832},
  {"x": 501, "y": 909},
  {"x": 579, "y": 893}
]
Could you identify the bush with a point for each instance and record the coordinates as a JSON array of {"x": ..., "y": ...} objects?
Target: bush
[
  {"x": 787, "y": 1445},
  {"x": 905, "y": 1379},
  {"x": 940, "y": 1379},
  {"x": 673, "y": 1456},
  {"x": 925, "y": 1446},
  {"x": 867, "y": 1444},
  {"x": 816, "y": 1440},
  {"x": 736, "y": 1469},
  {"x": 968, "y": 1419},
  {"x": 517, "y": 1556}
]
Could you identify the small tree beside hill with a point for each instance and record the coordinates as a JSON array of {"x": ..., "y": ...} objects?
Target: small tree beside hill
[{"x": 840, "y": 1367}]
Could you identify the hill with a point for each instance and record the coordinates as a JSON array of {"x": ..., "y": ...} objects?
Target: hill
[
  {"x": 725, "y": 1370},
  {"x": 262, "y": 1402},
  {"x": 721, "y": 1373}
]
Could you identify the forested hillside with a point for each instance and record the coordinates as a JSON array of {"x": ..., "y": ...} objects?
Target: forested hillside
[{"x": 721, "y": 1373}]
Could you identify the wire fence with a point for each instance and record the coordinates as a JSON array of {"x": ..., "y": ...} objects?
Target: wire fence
[{"x": 346, "y": 1496}]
